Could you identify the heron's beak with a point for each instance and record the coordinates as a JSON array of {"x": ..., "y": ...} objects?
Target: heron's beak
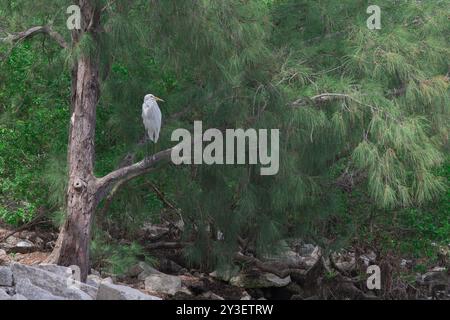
[{"x": 159, "y": 99}]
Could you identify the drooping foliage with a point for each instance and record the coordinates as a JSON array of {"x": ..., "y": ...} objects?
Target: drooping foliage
[{"x": 354, "y": 107}]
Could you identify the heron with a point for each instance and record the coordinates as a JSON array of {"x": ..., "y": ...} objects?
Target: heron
[{"x": 151, "y": 116}]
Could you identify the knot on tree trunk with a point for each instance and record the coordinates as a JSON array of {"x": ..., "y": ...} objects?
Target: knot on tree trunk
[{"x": 79, "y": 184}]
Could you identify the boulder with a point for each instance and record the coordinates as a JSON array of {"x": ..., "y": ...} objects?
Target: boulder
[
  {"x": 259, "y": 280},
  {"x": 25, "y": 288},
  {"x": 109, "y": 291},
  {"x": 170, "y": 266},
  {"x": 55, "y": 269},
  {"x": 23, "y": 246},
  {"x": 53, "y": 282},
  {"x": 4, "y": 295},
  {"x": 6, "y": 277},
  {"x": 226, "y": 274},
  {"x": 163, "y": 283},
  {"x": 93, "y": 280},
  {"x": 141, "y": 270}
]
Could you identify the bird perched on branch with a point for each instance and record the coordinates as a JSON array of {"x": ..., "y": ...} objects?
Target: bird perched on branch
[{"x": 151, "y": 116}]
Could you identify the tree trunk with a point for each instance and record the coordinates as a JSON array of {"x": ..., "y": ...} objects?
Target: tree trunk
[
  {"x": 73, "y": 242},
  {"x": 85, "y": 191},
  {"x": 72, "y": 246}
]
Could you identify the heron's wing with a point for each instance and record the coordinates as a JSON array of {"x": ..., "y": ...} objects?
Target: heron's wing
[{"x": 151, "y": 116}]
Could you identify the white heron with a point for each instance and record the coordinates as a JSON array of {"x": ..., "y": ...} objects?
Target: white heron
[{"x": 151, "y": 116}]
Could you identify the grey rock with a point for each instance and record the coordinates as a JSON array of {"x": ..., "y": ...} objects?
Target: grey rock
[
  {"x": 287, "y": 257},
  {"x": 9, "y": 290},
  {"x": 246, "y": 296},
  {"x": 306, "y": 249},
  {"x": 170, "y": 266},
  {"x": 369, "y": 258},
  {"x": 436, "y": 275},
  {"x": 211, "y": 296},
  {"x": 146, "y": 271},
  {"x": 54, "y": 283},
  {"x": 4, "y": 295},
  {"x": 260, "y": 280},
  {"x": 23, "y": 246},
  {"x": 139, "y": 268},
  {"x": 61, "y": 271},
  {"x": 25, "y": 288},
  {"x": 93, "y": 280},
  {"x": 95, "y": 273},
  {"x": 6, "y": 277},
  {"x": 163, "y": 283},
  {"x": 109, "y": 291},
  {"x": 18, "y": 297},
  {"x": 108, "y": 280},
  {"x": 225, "y": 275},
  {"x": 4, "y": 258}
]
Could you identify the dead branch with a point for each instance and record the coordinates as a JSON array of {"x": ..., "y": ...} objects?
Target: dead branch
[
  {"x": 47, "y": 30},
  {"x": 129, "y": 172}
]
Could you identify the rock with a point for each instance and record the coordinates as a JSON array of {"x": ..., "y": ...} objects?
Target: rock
[
  {"x": 108, "y": 280},
  {"x": 9, "y": 290},
  {"x": 93, "y": 280},
  {"x": 259, "y": 280},
  {"x": 306, "y": 249},
  {"x": 369, "y": 258},
  {"x": 18, "y": 297},
  {"x": 141, "y": 271},
  {"x": 344, "y": 262},
  {"x": 138, "y": 268},
  {"x": 25, "y": 288},
  {"x": 109, "y": 291},
  {"x": 211, "y": 296},
  {"x": 225, "y": 275},
  {"x": 6, "y": 277},
  {"x": 196, "y": 285},
  {"x": 4, "y": 258},
  {"x": 169, "y": 266},
  {"x": 435, "y": 275},
  {"x": 163, "y": 283},
  {"x": 246, "y": 296},
  {"x": 58, "y": 270},
  {"x": 54, "y": 283},
  {"x": 23, "y": 246},
  {"x": 289, "y": 258},
  {"x": 4, "y": 295},
  {"x": 95, "y": 273},
  {"x": 405, "y": 263}
]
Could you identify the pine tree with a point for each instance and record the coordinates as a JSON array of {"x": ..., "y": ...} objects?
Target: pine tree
[{"x": 374, "y": 101}]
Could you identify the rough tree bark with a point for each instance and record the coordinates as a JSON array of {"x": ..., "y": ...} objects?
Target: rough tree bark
[
  {"x": 73, "y": 243},
  {"x": 85, "y": 191}
]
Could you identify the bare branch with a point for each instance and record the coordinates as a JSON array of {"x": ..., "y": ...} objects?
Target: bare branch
[
  {"x": 320, "y": 98},
  {"x": 48, "y": 30},
  {"x": 325, "y": 97},
  {"x": 129, "y": 172}
]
